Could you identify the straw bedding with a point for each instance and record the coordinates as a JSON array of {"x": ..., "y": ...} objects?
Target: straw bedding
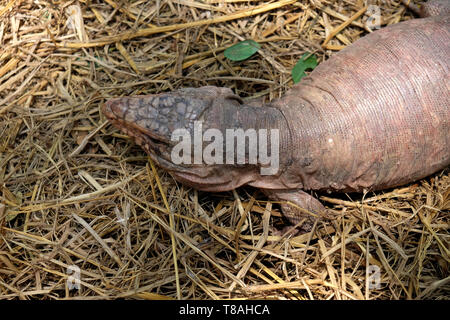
[{"x": 79, "y": 200}]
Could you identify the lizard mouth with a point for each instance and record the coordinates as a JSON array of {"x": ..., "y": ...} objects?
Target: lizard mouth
[{"x": 129, "y": 115}]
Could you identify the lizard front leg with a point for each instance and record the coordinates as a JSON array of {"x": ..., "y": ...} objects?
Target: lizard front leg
[{"x": 297, "y": 206}]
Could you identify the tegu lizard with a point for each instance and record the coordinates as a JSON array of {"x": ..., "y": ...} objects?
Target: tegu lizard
[{"x": 374, "y": 115}]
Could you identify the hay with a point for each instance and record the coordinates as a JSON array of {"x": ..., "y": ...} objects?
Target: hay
[{"x": 78, "y": 195}]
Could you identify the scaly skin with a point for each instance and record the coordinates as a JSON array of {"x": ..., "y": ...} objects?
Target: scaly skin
[{"x": 373, "y": 116}]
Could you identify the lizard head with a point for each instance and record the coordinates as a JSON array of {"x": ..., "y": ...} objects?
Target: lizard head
[{"x": 153, "y": 120}]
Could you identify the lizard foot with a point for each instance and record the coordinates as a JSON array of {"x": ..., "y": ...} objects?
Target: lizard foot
[{"x": 298, "y": 207}]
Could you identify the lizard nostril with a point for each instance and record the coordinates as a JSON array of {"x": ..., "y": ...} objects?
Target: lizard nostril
[
  {"x": 115, "y": 108},
  {"x": 107, "y": 108}
]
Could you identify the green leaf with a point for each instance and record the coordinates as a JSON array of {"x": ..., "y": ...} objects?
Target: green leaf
[
  {"x": 298, "y": 72},
  {"x": 242, "y": 50}
]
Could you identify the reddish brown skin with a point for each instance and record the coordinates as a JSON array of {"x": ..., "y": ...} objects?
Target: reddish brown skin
[{"x": 373, "y": 116}]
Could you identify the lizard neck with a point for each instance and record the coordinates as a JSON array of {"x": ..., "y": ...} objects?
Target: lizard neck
[
  {"x": 265, "y": 123},
  {"x": 295, "y": 132}
]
